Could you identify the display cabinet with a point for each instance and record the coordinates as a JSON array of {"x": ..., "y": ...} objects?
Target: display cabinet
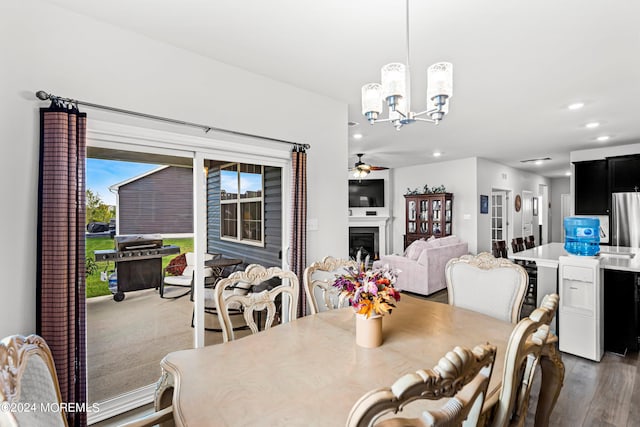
[{"x": 428, "y": 215}]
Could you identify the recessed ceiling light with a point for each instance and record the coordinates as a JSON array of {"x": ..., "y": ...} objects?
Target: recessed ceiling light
[
  {"x": 541, "y": 159},
  {"x": 603, "y": 138},
  {"x": 576, "y": 106},
  {"x": 568, "y": 173},
  {"x": 592, "y": 125},
  {"x": 538, "y": 162},
  {"x": 437, "y": 154},
  {"x": 357, "y": 136}
]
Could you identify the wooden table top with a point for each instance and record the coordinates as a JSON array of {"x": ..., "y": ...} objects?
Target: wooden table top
[{"x": 311, "y": 372}]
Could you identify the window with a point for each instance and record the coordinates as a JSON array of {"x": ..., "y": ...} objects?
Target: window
[{"x": 241, "y": 203}]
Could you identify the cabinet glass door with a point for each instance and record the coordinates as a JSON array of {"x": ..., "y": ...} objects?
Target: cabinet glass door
[
  {"x": 411, "y": 216},
  {"x": 436, "y": 217}
]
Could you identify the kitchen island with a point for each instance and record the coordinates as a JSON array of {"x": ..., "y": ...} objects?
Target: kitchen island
[{"x": 620, "y": 280}]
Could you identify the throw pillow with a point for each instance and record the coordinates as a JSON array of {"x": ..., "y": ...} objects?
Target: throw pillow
[{"x": 177, "y": 265}]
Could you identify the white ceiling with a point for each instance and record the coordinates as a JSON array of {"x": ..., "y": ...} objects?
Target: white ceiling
[{"x": 517, "y": 65}]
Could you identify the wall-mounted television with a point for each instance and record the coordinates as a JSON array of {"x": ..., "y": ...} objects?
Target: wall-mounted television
[{"x": 366, "y": 193}]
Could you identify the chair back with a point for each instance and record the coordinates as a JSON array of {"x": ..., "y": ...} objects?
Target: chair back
[
  {"x": 28, "y": 376},
  {"x": 318, "y": 283},
  {"x": 517, "y": 244},
  {"x": 529, "y": 242},
  {"x": 523, "y": 354},
  {"x": 499, "y": 248},
  {"x": 462, "y": 375},
  {"x": 488, "y": 285},
  {"x": 251, "y": 302},
  {"x": 191, "y": 264}
]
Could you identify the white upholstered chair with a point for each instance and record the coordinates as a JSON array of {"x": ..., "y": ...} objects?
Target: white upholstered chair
[
  {"x": 28, "y": 376},
  {"x": 460, "y": 380},
  {"x": 318, "y": 283},
  {"x": 185, "y": 280},
  {"x": 228, "y": 300},
  {"x": 487, "y": 285}
]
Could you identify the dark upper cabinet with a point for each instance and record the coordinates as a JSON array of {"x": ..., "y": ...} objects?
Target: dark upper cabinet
[
  {"x": 624, "y": 173},
  {"x": 591, "y": 189}
]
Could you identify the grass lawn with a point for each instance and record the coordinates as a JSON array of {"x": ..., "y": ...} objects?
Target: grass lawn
[{"x": 95, "y": 287}]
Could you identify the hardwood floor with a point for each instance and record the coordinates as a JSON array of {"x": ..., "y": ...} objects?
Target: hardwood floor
[{"x": 596, "y": 394}]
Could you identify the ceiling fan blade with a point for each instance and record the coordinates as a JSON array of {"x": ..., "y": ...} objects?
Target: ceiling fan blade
[{"x": 378, "y": 168}]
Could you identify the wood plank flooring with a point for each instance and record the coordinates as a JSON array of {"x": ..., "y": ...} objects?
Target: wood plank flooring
[{"x": 596, "y": 394}]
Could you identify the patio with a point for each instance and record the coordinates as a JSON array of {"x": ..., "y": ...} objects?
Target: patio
[{"x": 126, "y": 340}]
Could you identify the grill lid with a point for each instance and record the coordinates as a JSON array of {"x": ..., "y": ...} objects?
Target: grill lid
[{"x": 129, "y": 242}]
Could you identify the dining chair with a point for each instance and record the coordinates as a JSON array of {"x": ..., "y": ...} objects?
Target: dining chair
[
  {"x": 523, "y": 352},
  {"x": 499, "y": 248},
  {"x": 517, "y": 244},
  {"x": 28, "y": 377},
  {"x": 529, "y": 242},
  {"x": 318, "y": 283},
  {"x": 460, "y": 380},
  {"x": 488, "y": 285},
  {"x": 231, "y": 294},
  {"x": 553, "y": 370}
]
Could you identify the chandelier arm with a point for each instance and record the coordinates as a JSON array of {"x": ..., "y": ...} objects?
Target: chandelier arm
[
  {"x": 422, "y": 119},
  {"x": 379, "y": 121}
]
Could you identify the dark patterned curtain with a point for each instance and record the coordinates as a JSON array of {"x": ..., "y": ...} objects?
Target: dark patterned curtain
[
  {"x": 298, "y": 242},
  {"x": 61, "y": 251}
]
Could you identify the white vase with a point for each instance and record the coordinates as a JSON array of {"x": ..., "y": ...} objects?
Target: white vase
[{"x": 368, "y": 331}]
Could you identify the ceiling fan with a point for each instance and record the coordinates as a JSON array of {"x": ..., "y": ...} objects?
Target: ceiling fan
[{"x": 361, "y": 169}]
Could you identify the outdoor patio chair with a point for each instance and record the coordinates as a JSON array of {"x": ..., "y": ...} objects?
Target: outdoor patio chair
[{"x": 185, "y": 278}]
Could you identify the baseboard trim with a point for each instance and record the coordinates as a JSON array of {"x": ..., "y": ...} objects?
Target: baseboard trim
[{"x": 122, "y": 403}]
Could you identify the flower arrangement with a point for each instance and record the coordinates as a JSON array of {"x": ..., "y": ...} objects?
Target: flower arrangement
[{"x": 369, "y": 291}]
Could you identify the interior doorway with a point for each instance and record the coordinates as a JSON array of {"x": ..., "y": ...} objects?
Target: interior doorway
[{"x": 500, "y": 217}]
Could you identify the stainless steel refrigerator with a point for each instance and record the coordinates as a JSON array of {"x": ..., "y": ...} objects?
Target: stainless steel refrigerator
[{"x": 625, "y": 225}]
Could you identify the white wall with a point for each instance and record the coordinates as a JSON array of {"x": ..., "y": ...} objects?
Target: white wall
[
  {"x": 46, "y": 47},
  {"x": 495, "y": 175},
  {"x": 559, "y": 186},
  {"x": 458, "y": 177}
]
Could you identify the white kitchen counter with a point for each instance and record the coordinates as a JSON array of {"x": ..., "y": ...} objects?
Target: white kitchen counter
[{"x": 611, "y": 257}]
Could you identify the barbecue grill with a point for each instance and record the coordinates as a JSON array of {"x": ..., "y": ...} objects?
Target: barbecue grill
[{"x": 138, "y": 260}]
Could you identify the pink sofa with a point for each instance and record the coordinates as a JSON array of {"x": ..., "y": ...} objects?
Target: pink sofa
[{"x": 423, "y": 262}]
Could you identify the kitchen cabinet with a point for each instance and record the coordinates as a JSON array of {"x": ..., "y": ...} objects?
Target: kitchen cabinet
[
  {"x": 428, "y": 215},
  {"x": 591, "y": 188},
  {"x": 624, "y": 173},
  {"x": 621, "y": 311}
]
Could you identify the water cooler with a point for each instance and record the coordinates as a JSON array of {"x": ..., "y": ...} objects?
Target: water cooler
[{"x": 580, "y": 279}]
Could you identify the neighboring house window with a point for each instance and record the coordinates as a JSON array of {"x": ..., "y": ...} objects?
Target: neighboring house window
[{"x": 241, "y": 203}]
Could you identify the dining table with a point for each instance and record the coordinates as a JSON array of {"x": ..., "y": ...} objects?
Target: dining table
[{"x": 310, "y": 371}]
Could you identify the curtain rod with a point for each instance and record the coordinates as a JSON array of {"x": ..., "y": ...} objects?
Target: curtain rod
[{"x": 44, "y": 96}]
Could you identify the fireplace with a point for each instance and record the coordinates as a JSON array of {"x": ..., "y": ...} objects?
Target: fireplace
[{"x": 366, "y": 239}]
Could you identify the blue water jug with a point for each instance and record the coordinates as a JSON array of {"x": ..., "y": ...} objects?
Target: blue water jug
[
  {"x": 113, "y": 282},
  {"x": 582, "y": 235}
]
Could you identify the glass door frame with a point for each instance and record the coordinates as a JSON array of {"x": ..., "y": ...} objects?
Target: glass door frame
[{"x": 147, "y": 138}]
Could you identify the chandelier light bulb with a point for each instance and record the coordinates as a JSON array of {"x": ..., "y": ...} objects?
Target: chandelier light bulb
[
  {"x": 440, "y": 80},
  {"x": 372, "y": 99}
]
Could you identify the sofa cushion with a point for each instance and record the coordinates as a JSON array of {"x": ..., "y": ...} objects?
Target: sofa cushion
[
  {"x": 414, "y": 250},
  {"x": 449, "y": 240}
]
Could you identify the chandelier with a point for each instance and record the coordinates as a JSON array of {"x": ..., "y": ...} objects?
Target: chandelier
[{"x": 395, "y": 89}]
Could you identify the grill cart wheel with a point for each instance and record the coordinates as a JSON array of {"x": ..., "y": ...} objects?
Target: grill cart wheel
[{"x": 118, "y": 296}]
